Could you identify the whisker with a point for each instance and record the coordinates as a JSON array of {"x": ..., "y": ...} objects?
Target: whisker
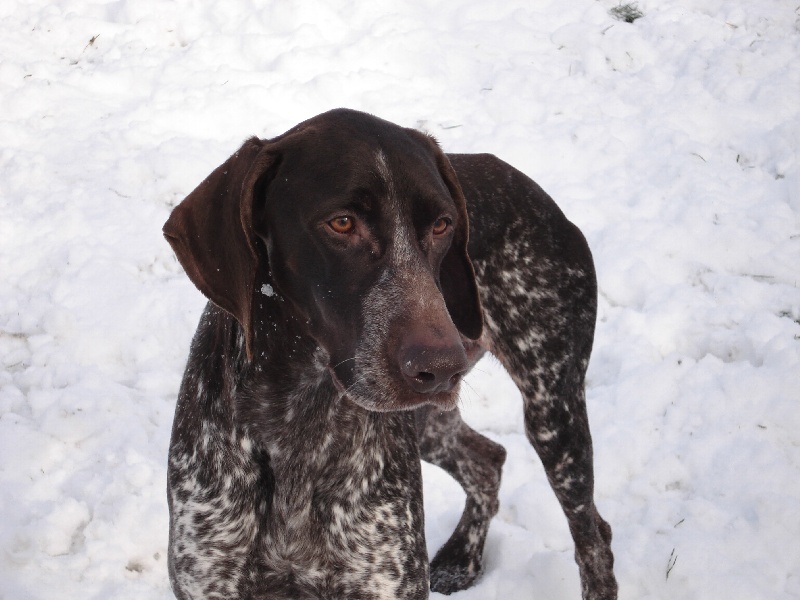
[
  {"x": 462, "y": 396},
  {"x": 352, "y": 385},
  {"x": 469, "y": 385},
  {"x": 344, "y": 361}
]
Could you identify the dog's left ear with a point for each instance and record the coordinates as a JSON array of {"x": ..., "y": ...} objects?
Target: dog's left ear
[
  {"x": 211, "y": 233},
  {"x": 457, "y": 277}
]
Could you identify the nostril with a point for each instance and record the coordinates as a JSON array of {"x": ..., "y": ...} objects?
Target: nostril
[
  {"x": 430, "y": 369},
  {"x": 424, "y": 377}
]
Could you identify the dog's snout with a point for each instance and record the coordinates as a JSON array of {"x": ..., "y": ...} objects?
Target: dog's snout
[{"x": 430, "y": 369}]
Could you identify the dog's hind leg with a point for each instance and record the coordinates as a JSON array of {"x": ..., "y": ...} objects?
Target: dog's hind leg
[
  {"x": 557, "y": 426},
  {"x": 476, "y": 463},
  {"x": 540, "y": 320}
]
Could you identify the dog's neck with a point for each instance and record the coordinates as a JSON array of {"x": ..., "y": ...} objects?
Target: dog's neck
[
  {"x": 339, "y": 474},
  {"x": 288, "y": 407},
  {"x": 287, "y": 401}
]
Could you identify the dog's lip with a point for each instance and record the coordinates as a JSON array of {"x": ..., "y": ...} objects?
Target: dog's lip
[
  {"x": 445, "y": 401},
  {"x": 410, "y": 400},
  {"x": 448, "y": 403}
]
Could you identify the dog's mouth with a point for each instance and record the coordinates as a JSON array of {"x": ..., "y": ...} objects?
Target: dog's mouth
[{"x": 389, "y": 394}]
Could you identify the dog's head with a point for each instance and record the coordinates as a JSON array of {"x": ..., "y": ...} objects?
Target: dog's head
[{"x": 360, "y": 227}]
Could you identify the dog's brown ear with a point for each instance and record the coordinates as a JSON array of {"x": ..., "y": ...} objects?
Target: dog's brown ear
[
  {"x": 212, "y": 235},
  {"x": 457, "y": 277}
]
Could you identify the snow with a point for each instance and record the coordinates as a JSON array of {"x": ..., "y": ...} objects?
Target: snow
[{"x": 671, "y": 141}]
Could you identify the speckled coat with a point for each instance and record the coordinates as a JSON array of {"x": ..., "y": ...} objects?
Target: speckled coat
[{"x": 355, "y": 274}]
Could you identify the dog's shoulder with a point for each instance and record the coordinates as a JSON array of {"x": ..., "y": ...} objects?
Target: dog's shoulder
[
  {"x": 505, "y": 204},
  {"x": 513, "y": 219}
]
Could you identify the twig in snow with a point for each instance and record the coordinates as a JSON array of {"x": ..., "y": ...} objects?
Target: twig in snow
[
  {"x": 673, "y": 558},
  {"x": 92, "y": 40}
]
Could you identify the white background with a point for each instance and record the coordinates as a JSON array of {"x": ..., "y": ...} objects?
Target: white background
[{"x": 672, "y": 142}]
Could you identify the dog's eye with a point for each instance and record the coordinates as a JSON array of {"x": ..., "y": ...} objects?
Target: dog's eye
[
  {"x": 342, "y": 224},
  {"x": 441, "y": 225}
]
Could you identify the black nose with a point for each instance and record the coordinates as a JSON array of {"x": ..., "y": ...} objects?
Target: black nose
[{"x": 431, "y": 369}]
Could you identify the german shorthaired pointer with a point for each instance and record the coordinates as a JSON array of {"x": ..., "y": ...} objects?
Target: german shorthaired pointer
[{"x": 356, "y": 273}]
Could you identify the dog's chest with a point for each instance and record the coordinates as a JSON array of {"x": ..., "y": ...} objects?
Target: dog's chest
[{"x": 345, "y": 518}]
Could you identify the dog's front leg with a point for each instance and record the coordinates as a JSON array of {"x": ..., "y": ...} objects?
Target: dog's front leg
[{"x": 475, "y": 462}]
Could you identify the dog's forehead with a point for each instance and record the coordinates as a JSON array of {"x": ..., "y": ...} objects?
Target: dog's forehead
[
  {"x": 354, "y": 124},
  {"x": 347, "y": 150},
  {"x": 410, "y": 183},
  {"x": 349, "y": 133}
]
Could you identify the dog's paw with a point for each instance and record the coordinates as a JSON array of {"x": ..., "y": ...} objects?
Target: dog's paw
[{"x": 452, "y": 571}]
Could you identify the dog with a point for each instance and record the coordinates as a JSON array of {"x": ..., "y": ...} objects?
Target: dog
[{"x": 355, "y": 274}]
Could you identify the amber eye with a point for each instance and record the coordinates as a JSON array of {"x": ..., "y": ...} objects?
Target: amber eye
[
  {"x": 342, "y": 224},
  {"x": 441, "y": 225}
]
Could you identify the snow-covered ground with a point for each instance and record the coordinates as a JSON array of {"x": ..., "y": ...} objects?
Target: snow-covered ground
[{"x": 672, "y": 142}]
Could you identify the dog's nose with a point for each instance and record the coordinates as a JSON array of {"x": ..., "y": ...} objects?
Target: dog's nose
[{"x": 431, "y": 369}]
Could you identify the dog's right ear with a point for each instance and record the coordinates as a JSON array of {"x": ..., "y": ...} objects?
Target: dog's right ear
[{"x": 211, "y": 232}]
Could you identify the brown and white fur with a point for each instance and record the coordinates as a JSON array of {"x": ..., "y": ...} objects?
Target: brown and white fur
[{"x": 355, "y": 273}]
